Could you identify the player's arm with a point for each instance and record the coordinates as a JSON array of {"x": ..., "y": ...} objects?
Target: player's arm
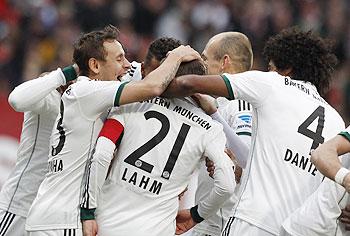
[
  {"x": 326, "y": 159},
  {"x": 224, "y": 184},
  {"x": 234, "y": 142},
  {"x": 28, "y": 95},
  {"x": 109, "y": 138},
  {"x": 158, "y": 80},
  {"x": 187, "y": 85}
]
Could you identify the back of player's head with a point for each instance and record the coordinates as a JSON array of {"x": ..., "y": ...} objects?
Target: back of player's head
[
  {"x": 90, "y": 45},
  {"x": 159, "y": 48},
  {"x": 238, "y": 47},
  {"x": 196, "y": 67},
  {"x": 309, "y": 57}
]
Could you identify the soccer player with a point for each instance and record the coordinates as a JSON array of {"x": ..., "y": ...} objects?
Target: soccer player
[
  {"x": 324, "y": 206},
  {"x": 228, "y": 52},
  {"x": 290, "y": 118},
  {"x": 39, "y": 99},
  {"x": 163, "y": 141},
  {"x": 156, "y": 52},
  {"x": 84, "y": 106}
]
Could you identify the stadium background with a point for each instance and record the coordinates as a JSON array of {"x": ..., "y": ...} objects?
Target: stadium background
[{"x": 37, "y": 36}]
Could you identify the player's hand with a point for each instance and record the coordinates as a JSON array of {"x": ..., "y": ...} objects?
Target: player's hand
[
  {"x": 237, "y": 169},
  {"x": 210, "y": 166},
  {"x": 206, "y": 102},
  {"x": 345, "y": 217},
  {"x": 184, "y": 221},
  {"x": 89, "y": 228},
  {"x": 185, "y": 53}
]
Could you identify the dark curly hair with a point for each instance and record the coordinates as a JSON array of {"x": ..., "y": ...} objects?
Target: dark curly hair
[
  {"x": 309, "y": 56},
  {"x": 90, "y": 45},
  {"x": 159, "y": 48}
]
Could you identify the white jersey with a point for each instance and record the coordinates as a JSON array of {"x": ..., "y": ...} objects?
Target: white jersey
[
  {"x": 163, "y": 142},
  {"x": 238, "y": 115},
  {"x": 39, "y": 100},
  {"x": 318, "y": 216},
  {"x": 82, "y": 112},
  {"x": 290, "y": 118},
  {"x": 134, "y": 73}
]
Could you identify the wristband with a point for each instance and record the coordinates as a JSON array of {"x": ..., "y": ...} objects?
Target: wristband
[
  {"x": 87, "y": 214},
  {"x": 339, "y": 177},
  {"x": 194, "y": 214},
  {"x": 69, "y": 73}
]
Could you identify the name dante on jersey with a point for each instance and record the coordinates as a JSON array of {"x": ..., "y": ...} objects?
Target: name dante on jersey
[{"x": 300, "y": 161}]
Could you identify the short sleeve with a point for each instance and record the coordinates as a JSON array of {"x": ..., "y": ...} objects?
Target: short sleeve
[
  {"x": 95, "y": 97},
  {"x": 251, "y": 86}
]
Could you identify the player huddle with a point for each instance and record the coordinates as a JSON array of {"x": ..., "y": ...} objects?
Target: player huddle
[{"x": 108, "y": 146}]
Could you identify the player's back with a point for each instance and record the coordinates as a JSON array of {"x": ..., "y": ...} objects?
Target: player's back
[
  {"x": 163, "y": 142},
  {"x": 290, "y": 119}
]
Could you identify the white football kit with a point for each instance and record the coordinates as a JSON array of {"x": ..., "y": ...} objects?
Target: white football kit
[
  {"x": 290, "y": 118},
  {"x": 39, "y": 100},
  {"x": 82, "y": 112},
  {"x": 318, "y": 216},
  {"x": 238, "y": 115},
  {"x": 163, "y": 142}
]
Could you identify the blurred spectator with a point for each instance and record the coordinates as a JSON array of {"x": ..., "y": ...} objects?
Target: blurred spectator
[{"x": 37, "y": 35}]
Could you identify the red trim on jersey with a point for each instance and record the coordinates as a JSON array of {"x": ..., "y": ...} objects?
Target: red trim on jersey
[{"x": 112, "y": 129}]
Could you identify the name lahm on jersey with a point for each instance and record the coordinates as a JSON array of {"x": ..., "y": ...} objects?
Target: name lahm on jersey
[
  {"x": 141, "y": 181},
  {"x": 55, "y": 166},
  {"x": 300, "y": 161},
  {"x": 182, "y": 111}
]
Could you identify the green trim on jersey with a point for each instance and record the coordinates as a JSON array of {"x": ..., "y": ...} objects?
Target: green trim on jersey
[
  {"x": 87, "y": 214},
  {"x": 228, "y": 86},
  {"x": 119, "y": 93},
  {"x": 345, "y": 135},
  {"x": 244, "y": 133},
  {"x": 69, "y": 73}
]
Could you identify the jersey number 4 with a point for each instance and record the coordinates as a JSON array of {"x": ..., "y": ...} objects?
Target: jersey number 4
[
  {"x": 134, "y": 158},
  {"x": 315, "y": 136}
]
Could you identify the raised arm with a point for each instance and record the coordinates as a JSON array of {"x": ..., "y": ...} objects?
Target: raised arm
[
  {"x": 326, "y": 159},
  {"x": 190, "y": 84},
  {"x": 157, "y": 81},
  {"x": 29, "y": 94}
]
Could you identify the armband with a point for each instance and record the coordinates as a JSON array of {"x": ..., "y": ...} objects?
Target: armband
[{"x": 113, "y": 130}]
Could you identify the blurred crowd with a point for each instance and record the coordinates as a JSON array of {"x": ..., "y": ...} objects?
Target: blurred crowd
[{"x": 37, "y": 35}]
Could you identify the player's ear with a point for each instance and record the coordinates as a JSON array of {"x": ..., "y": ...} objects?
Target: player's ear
[
  {"x": 94, "y": 65},
  {"x": 226, "y": 62}
]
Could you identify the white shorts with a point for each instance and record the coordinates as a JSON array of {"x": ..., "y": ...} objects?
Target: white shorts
[
  {"x": 57, "y": 232},
  {"x": 11, "y": 224},
  {"x": 240, "y": 227}
]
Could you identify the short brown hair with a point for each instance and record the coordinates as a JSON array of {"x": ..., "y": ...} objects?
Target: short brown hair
[
  {"x": 192, "y": 67},
  {"x": 90, "y": 45}
]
